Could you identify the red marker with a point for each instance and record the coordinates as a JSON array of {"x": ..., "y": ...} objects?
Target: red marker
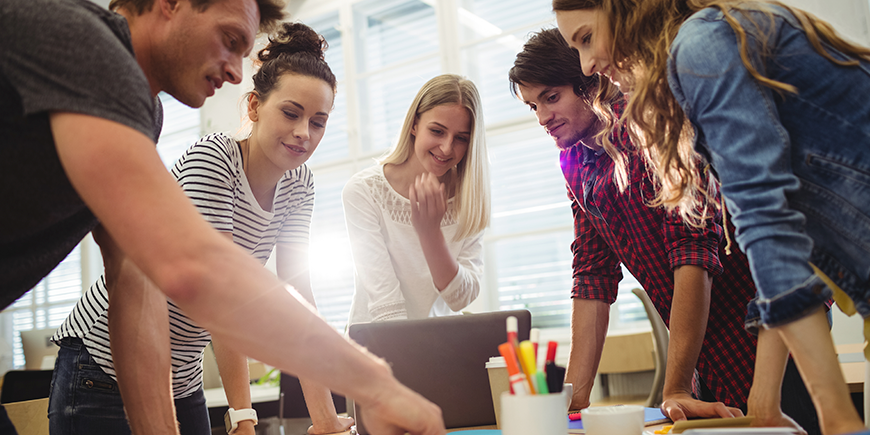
[
  {"x": 551, "y": 352},
  {"x": 517, "y": 379},
  {"x": 512, "y": 329}
]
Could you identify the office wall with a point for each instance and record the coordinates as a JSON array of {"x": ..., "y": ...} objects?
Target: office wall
[{"x": 849, "y": 17}]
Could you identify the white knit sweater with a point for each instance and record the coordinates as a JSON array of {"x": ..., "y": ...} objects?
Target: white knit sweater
[{"x": 392, "y": 278}]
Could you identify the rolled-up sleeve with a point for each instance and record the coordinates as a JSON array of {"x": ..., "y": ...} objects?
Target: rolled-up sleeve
[{"x": 597, "y": 269}]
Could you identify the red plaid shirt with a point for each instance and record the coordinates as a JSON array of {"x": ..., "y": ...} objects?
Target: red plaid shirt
[{"x": 612, "y": 228}]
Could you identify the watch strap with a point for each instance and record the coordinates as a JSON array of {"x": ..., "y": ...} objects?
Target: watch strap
[{"x": 237, "y": 415}]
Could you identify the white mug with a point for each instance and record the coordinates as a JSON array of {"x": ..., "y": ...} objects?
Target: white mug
[
  {"x": 538, "y": 414},
  {"x": 613, "y": 420}
]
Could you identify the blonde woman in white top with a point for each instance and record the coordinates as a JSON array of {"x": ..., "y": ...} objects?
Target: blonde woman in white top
[{"x": 416, "y": 219}]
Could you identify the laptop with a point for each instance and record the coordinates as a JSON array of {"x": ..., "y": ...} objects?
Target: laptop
[
  {"x": 39, "y": 351},
  {"x": 443, "y": 359}
]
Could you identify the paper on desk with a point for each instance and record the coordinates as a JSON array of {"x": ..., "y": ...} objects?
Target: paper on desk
[
  {"x": 710, "y": 423},
  {"x": 744, "y": 431}
]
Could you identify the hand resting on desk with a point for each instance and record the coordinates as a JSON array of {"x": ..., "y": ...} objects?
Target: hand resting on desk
[{"x": 683, "y": 406}]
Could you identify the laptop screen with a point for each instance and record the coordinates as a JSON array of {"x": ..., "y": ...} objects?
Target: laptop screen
[{"x": 444, "y": 359}]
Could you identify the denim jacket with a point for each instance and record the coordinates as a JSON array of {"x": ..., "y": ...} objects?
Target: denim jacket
[{"x": 794, "y": 168}]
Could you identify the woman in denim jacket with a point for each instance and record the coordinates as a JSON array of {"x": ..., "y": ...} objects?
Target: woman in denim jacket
[{"x": 779, "y": 106}]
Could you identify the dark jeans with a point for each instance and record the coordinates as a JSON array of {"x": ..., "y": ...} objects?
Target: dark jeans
[
  {"x": 796, "y": 402},
  {"x": 85, "y": 400},
  {"x": 6, "y": 427}
]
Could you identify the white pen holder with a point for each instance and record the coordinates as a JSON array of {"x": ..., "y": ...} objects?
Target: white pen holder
[{"x": 539, "y": 414}]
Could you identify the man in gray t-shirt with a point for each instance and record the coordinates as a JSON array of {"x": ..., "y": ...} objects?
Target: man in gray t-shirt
[
  {"x": 77, "y": 147},
  {"x": 90, "y": 69}
]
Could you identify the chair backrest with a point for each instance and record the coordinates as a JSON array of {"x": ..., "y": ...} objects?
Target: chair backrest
[{"x": 661, "y": 339}]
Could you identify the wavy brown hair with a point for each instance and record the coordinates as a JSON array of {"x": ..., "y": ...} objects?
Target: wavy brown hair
[{"x": 643, "y": 32}]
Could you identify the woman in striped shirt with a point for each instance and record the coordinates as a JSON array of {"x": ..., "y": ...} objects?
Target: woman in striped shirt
[{"x": 257, "y": 191}]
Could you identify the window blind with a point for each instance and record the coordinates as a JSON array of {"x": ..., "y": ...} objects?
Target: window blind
[{"x": 382, "y": 52}]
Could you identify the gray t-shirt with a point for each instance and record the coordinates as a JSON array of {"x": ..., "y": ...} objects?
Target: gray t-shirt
[{"x": 56, "y": 56}]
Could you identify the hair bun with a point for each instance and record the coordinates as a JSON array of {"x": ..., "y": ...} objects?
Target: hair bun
[{"x": 292, "y": 38}]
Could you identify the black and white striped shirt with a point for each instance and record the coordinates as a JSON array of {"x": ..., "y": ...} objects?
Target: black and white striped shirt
[{"x": 211, "y": 174}]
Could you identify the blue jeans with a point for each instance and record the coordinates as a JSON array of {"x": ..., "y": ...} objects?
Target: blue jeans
[
  {"x": 6, "y": 426},
  {"x": 85, "y": 400}
]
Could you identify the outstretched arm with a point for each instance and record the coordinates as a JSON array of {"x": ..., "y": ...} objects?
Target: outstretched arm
[
  {"x": 119, "y": 175},
  {"x": 233, "y": 367},
  {"x": 145, "y": 384},
  {"x": 597, "y": 272},
  {"x": 766, "y": 393},
  {"x": 688, "y": 324},
  {"x": 589, "y": 320},
  {"x": 292, "y": 266}
]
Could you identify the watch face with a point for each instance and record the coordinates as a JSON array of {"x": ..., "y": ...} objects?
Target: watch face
[{"x": 228, "y": 422}]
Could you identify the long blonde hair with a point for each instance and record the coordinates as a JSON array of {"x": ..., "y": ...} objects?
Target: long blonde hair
[
  {"x": 471, "y": 174},
  {"x": 643, "y": 31}
]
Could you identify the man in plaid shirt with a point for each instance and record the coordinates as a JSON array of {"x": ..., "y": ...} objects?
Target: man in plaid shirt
[{"x": 699, "y": 291}]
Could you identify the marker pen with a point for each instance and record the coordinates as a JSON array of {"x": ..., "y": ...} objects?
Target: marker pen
[
  {"x": 527, "y": 349},
  {"x": 512, "y": 329},
  {"x": 527, "y": 362},
  {"x": 535, "y": 337},
  {"x": 517, "y": 380},
  {"x": 555, "y": 374}
]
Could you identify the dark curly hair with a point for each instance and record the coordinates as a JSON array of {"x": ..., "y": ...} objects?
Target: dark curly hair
[{"x": 294, "y": 48}]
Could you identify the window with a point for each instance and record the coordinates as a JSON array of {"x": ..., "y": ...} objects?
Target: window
[
  {"x": 180, "y": 129},
  {"x": 396, "y": 52},
  {"x": 49, "y": 303},
  {"x": 382, "y": 52}
]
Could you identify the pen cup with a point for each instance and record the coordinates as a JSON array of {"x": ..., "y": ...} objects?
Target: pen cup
[
  {"x": 539, "y": 414},
  {"x": 498, "y": 383},
  {"x": 613, "y": 420}
]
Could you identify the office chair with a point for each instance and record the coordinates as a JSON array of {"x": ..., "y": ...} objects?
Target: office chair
[
  {"x": 630, "y": 353},
  {"x": 21, "y": 385}
]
